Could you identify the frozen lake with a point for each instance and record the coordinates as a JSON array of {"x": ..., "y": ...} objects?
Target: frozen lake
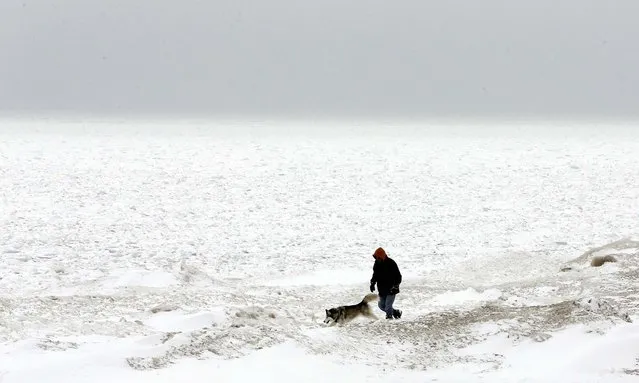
[{"x": 245, "y": 237}]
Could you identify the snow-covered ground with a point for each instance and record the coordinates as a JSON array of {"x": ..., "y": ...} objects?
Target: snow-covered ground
[{"x": 176, "y": 252}]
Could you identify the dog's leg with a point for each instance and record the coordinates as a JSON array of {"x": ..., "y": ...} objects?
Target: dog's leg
[{"x": 369, "y": 314}]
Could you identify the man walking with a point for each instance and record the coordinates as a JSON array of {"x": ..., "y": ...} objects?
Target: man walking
[{"x": 387, "y": 277}]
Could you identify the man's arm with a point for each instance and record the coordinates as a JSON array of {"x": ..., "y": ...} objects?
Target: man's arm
[
  {"x": 374, "y": 277},
  {"x": 398, "y": 275}
]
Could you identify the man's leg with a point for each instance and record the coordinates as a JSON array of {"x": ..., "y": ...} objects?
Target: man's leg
[
  {"x": 388, "y": 306},
  {"x": 382, "y": 302}
]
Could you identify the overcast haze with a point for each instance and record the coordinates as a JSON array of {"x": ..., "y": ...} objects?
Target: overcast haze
[{"x": 328, "y": 58}]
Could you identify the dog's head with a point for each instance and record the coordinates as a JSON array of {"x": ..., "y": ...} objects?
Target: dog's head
[{"x": 331, "y": 315}]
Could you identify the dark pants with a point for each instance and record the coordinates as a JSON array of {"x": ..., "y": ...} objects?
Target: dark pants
[{"x": 386, "y": 304}]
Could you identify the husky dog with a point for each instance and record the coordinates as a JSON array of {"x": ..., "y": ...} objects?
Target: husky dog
[{"x": 343, "y": 314}]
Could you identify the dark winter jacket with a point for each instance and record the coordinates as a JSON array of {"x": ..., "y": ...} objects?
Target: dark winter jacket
[{"x": 386, "y": 274}]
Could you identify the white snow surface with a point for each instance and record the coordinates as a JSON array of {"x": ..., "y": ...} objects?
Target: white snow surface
[{"x": 200, "y": 252}]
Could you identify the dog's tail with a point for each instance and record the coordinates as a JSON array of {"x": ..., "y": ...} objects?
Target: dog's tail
[{"x": 369, "y": 298}]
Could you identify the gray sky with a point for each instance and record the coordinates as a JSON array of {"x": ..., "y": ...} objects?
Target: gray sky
[{"x": 328, "y": 58}]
